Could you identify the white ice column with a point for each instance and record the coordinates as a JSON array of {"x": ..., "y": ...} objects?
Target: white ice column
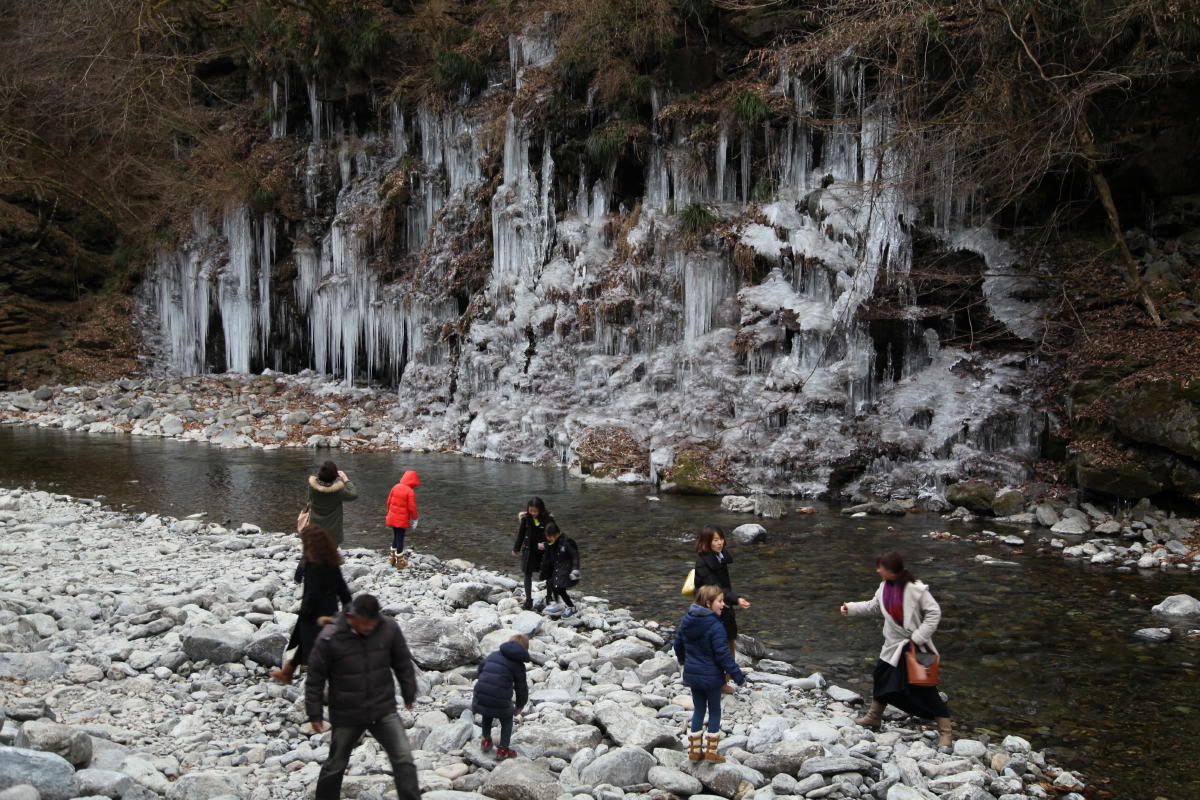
[{"x": 235, "y": 289}]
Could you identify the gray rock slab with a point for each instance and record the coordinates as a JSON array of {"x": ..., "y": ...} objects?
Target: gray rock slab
[
  {"x": 832, "y": 765},
  {"x": 626, "y": 726},
  {"x": 440, "y": 644},
  {"x": 205, "y": 786},
  {"x": 563, "y": 741},
  {"x": 51, "y": 737},
  {"x": 521, "y": 779},
  {"x": 103, "y": 782},
  {"x": 625, "y": 766},
  {"x": 52, "y": 775},
  {"x": 1178, "y": 605},
  {"x": 30, "y": 666},
  {"x": 674, "y": 781},
  {"x": 216, "y": 645}
]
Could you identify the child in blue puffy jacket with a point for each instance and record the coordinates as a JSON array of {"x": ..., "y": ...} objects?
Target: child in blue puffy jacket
[
  {"x": 701, "y": 646},
  {"x": 500, "y": 676}
]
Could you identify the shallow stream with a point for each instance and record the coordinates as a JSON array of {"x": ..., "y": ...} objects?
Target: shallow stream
[{"x": 1044, "y": 649}]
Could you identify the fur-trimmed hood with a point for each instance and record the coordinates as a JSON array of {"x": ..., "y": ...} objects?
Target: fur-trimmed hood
[{"x": 317, "y": 486}]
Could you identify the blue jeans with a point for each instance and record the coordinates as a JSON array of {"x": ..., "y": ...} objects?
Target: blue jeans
[
  {"x": 389, "y": 732},
  {"x": 709, "y": 699},
  {"x": 506, "y": 725},
  {"x": 398, "y": 539}
]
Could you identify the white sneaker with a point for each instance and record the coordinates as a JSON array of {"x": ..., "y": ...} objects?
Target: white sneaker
[{"x": 553, "y": 608}]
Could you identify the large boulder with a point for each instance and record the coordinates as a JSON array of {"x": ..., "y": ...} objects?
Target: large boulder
[
  {"x": 1165, "y": 413},
  {"x": 769, "y": 507},
  {"x": 445, "y": 738},
  {"x": 103, "y": 783},
  {"x": 634, "y": 726},
  {"x": 30, "y": 666},
  {"x": 521, "y": 779},
  {"x": 538, "y": 739},
  {"x": 440, "y": 644},
  {"x": 784, "y": 757},
  {"x": 625, "y": 766},
  {"x": 673, "y": 781},
  {"x": 52, "y": 775},
  {"x": 216, "y": 645},
  {"x": 1178, "y": 605},
  {"x": 749, "y": 533},
  {"x": 975, "y": 496},
  {"x": 51, "y": 737},
  {"x": 1007, "y": 503},
  {"x": 461, "y": 595},
  {"x": 266, "y": 647},
  {"x": 623, "y": 648},
  {"x": 205, "y": 786}
]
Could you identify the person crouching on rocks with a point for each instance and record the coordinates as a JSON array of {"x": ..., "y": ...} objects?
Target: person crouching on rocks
[
  {"x": 402, "y": 514},
  {"x": 531, "y": 542},
  {"x": 560, "y": 570},
  {"x": 701, "y": 646},
  {"x": 324, "y": 587},
  {"x": 910, "y": 616},
  {"x": 500, "y": 676},
  {"x": 327, "y": 490}
]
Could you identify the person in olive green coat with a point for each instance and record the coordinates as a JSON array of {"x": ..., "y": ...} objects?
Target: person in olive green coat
[{"x": 327, "y": 490}]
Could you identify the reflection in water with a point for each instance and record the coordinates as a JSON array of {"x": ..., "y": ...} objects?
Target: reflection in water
[{"x": 1044, "y": 649}]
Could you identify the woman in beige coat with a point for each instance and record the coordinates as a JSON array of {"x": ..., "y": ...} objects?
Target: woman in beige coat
[{"x": 910, "y": 616}]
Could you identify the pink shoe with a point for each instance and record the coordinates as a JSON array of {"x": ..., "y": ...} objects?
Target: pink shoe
[
  {"x": 485, "y": 744},
  {"x": 505, "y": 752}
]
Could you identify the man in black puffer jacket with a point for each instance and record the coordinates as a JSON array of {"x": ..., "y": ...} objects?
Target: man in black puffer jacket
[{"x": 357, "y": 654}]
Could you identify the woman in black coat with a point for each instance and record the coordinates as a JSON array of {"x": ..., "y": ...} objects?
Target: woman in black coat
[
  {"x": 712, "y": 569},
  {"x": 530, "y": 543},
  {"x": 324, "y": 587}
]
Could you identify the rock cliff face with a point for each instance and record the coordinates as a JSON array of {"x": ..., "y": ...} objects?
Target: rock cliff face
[{"x": 758, "y": 306}]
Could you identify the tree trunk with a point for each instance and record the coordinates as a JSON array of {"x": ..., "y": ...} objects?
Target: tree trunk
[{"x": 1091, "y": 156}]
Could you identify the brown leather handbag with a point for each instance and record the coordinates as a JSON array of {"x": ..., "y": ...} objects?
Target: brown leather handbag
[{"x": 922, "y": 666}]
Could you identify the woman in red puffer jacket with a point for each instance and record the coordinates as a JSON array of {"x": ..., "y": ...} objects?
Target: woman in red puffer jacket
[{"x": 402, "y": 514}]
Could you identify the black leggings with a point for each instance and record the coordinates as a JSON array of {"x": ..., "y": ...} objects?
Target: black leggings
[
  {"x": 398, "y": 539},
  {"x": 558, "y": 592}
]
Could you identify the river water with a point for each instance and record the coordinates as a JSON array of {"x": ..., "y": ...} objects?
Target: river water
[{"x": 1044, "y": 649}]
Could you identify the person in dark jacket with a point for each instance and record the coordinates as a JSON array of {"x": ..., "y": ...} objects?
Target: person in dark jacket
[
  {"x": 560, "y": 570},
  {"x": 402, "y": 514},
  {"x": 531, "y": 542},
  {"x": 320, "y": 572},
  {"x": 327, "y": 490},
  {"x": 701, "y": 647},
  {"x": 357, "y": 655},
  {"x": 502, "y": 675},
  {"x": 712, "y": 569}
]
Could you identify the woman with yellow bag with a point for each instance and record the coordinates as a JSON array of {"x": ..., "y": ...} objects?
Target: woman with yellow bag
[{"x": 712, "y": 569}]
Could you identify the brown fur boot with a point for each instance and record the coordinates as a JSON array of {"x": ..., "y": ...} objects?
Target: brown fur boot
[
  {"x": 695, "y": 745},
  {"x": 873, "y": 719},
  {"x": 710, "y": 748}
]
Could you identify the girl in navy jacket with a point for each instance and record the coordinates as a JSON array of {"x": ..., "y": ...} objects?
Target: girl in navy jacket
[
  {"x": 501, "y": 674},
  {"x": 701, "y": 646}
]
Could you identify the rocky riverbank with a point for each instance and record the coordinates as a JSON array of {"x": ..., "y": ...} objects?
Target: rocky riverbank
[{"x": 135, "y": 651}]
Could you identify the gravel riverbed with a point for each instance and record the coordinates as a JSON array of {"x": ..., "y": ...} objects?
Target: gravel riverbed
[{"x": 134, "y": 652}]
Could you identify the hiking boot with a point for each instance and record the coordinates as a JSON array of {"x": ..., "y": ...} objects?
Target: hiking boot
[
  {"x": 485, "y": 744},
  {"x": 873, "y": 719},
  {"x": 505, "y": 752},
  {"x": 284, "y": 675},
  {"x": 553, "y": 608},
  {"x": 570, "y": 612},
  {"x": 695, "y": 745},
  {"x": 945, "y": 728}
]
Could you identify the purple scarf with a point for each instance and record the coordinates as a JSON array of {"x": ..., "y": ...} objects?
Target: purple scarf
[{"x": 893, "y": 600}]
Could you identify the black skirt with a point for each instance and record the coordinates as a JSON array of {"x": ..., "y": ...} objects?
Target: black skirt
[
  {"x": 729, "y": 620},
  {"x": 892, "y": 688},
  {"x": 303, "y": 637}
]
